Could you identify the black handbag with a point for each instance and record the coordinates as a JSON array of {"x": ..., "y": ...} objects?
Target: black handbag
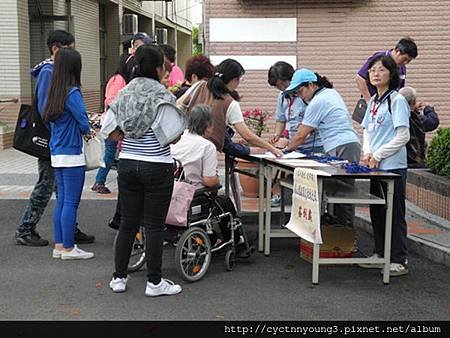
[
  {"x": 31, "y": 135},
  {"x": 360, "y": 110}
]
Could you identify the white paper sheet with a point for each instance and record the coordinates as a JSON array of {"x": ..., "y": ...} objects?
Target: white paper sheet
[
  {"x": 303, "y": 163},
  {"x": 291, "y": 155}
]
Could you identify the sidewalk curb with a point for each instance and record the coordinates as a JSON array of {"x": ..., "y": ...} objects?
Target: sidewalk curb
[{"x": 432, "y": 251}]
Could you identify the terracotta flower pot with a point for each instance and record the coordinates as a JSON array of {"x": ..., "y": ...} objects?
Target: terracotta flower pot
[{"x": 250, "y": 185}]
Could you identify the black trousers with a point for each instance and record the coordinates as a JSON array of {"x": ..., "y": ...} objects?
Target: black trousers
[
  {"x": 145, "y": 190},
  {"x": 399, "y": 252}
]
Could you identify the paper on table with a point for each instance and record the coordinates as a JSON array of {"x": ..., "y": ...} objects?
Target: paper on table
[
  {"x": 291, "y": 155},
  {"x": 265, "y": 155},
  {"x": 303, "y": 163}
]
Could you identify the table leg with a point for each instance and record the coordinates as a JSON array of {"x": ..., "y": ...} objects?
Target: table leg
[
  {"x": 268, "y": 210},
  {"x": 316, "y": 247},
  {"x": 388, "y": 230},
  {"x": 315, "y": 264},
  {"x": 261, "y": 208}
]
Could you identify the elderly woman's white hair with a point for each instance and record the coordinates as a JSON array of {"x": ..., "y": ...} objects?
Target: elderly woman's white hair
[{"x": 409, "y": 93}]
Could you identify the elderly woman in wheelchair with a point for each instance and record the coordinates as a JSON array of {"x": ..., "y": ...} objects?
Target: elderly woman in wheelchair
[{"x": 212, "y": 223}]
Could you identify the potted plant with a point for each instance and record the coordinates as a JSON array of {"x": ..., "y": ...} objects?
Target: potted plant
[{"x": 256, "y": 120}]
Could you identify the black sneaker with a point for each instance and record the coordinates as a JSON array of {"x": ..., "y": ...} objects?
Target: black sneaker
[
  {"x": 82, "y": 238},
  {"x": 31, "y": 238},
  {"x": 113, "y": 224}
]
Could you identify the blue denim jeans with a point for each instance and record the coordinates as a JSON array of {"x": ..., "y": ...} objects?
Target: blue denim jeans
[
  {"x": 69, "y": 184},
  {"x": 110, "y": 153},
  {"x": 145, "y": 189}
]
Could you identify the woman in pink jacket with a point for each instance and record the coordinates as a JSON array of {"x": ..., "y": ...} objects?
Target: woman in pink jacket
[{"x": 114, "y": 85}]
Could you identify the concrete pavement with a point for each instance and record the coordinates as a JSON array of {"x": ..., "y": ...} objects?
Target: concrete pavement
[{"x": 277, "y": 287}]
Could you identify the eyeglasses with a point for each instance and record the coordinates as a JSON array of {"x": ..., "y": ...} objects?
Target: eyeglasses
[{"x": 378, "y": 70}]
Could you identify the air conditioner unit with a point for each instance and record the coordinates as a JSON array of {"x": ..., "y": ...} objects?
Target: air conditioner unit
[
  {"x": 161, "y": 35},
  {"x": 130, "y": 24}
]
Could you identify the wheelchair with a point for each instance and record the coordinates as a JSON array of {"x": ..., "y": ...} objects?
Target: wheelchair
[{"x": 213, "y": 226}]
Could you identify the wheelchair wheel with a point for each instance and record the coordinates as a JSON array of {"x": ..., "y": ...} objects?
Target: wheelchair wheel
[
  {"x": 230, "y": 259},
  {"x": 193, "y": 254},
  {"x": 137, "y": 256}
]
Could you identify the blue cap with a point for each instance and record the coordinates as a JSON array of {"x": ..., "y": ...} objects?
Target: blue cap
[
  {"x": 301, "y": 76},
  {"x": 143, "y": 37}
]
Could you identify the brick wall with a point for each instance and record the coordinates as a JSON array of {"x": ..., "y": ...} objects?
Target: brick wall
[
  {"x": 428, "y": 200},
  {"x": 429, "y": 192},
  {"x": 335, "y": 37}
]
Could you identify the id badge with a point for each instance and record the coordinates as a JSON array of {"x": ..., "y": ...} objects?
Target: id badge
[{"x": 371, "y": 127}]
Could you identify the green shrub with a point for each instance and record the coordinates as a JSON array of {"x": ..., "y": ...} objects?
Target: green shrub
[{"x": 438, "y": 159}]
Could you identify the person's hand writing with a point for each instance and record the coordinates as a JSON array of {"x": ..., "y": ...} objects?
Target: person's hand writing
[{"x": 274, "y": 139}]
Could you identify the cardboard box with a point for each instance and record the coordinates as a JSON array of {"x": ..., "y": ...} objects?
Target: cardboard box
[{"x": 337, "y": 243}]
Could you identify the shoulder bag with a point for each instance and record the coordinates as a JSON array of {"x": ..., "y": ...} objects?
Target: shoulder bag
[
  {"x": 31, "y": 135},
  {"x": 360, "y": 110},
  {"x": 180, "y": 203}
]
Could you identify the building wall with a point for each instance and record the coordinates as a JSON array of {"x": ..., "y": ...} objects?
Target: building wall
[
  {"x": 335, "y": 38},
  {"x": 86, "y": 32},
  {"x": 14, "y": 63},
  {"x": 114, "y": 43},
  {"x": 23, "y": 45}
]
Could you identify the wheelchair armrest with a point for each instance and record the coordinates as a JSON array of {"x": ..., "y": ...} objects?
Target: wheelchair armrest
[{"x": 207, "y": 190}]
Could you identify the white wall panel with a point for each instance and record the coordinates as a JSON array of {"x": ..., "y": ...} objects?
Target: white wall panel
[
  {"x": 256, "y": 62},
  {"x": 252, "y": 29}
]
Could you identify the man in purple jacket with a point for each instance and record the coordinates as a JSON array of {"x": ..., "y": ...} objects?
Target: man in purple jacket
[{"x": 404, "y": 52}]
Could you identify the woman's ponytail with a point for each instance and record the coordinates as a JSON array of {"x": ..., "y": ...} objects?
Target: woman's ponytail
[
  {"x": 322, "y": 81},
  {"x": 226, "y": 71}
]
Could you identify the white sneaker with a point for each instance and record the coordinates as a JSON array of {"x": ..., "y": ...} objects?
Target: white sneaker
[
  {"x": 76, "y": 253},
  {"x": 397, "y": 269},
  {"x": 118, "y": 284},
  {"x": 372, "y": 265},
  {"x": 57, "y": 253},
  {"x": 165, "y": 287}
]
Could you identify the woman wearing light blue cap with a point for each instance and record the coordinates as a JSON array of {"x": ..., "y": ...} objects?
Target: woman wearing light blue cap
[{"x": 326, "y": 112}]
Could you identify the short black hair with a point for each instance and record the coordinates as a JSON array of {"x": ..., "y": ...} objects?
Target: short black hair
[
  {"x": 388, "y": 62},
  {"x": 282, "y": 71},
  {"x": 169, "y": 51},
  {"x": 407, "y": 46},
  {"x": 59, "y": 38}
]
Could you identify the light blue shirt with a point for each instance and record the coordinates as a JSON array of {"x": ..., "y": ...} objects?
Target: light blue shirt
[
  {"x": 381, "y": 127},
  {"x": 328, "y": 113},
  {"x": 293, "y": 119}
]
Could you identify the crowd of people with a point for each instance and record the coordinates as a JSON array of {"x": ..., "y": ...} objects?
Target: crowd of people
[{"x": 311, "y": 116}]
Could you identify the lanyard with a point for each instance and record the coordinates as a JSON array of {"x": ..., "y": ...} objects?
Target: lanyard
[
  {"x": 374, "y": 108},
  {"x": 290, "y": 103}
]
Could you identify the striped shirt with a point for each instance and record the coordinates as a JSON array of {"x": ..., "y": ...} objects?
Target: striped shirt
[{"x": 146, "y": 148}]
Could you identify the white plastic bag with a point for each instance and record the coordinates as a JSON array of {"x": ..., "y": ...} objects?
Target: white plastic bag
[{"x": 94, "y": 152}]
